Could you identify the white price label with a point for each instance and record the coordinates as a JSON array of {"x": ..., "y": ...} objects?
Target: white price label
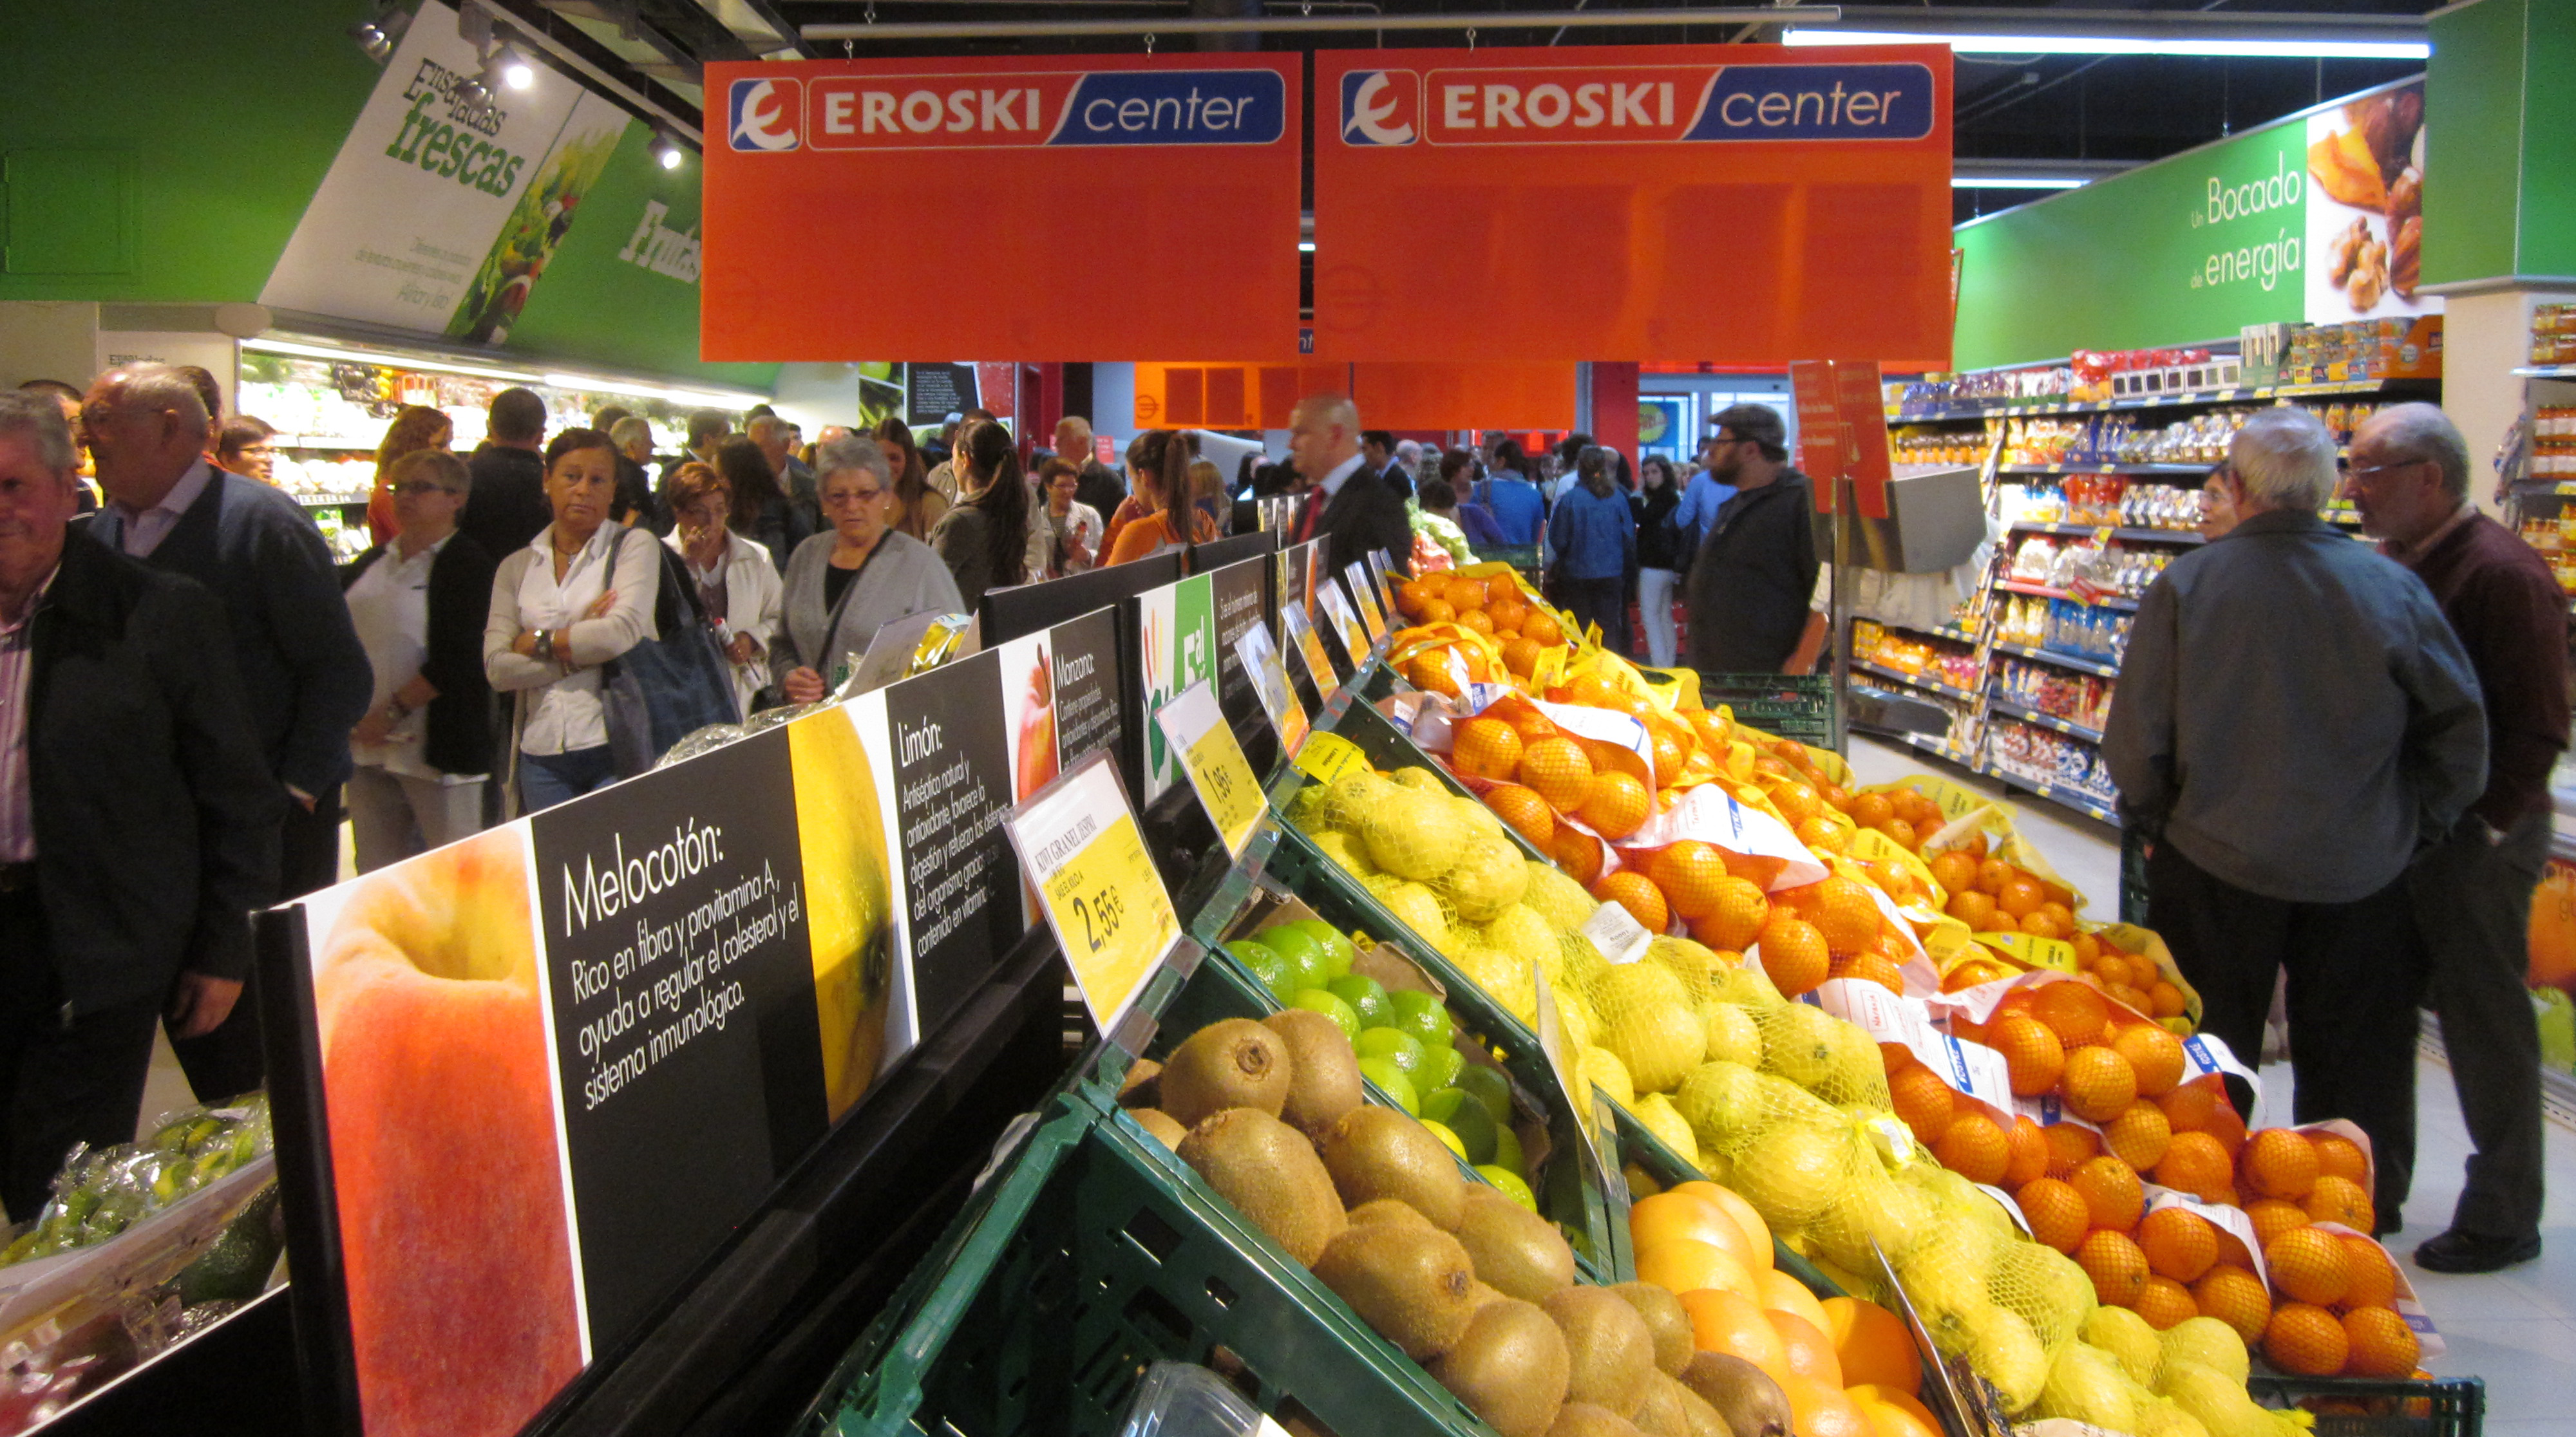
[{"x": 1617, "y": 933}]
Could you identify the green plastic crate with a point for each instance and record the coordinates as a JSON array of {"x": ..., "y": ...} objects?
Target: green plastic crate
[
  {"x": 1093, "y": 1253},
  {"x": 2454, "y": 1406},
  {"x": 1592, "y": 1209},
  {"x": 1798, "y": 706},
  {"x": 1222, "y": 988}
]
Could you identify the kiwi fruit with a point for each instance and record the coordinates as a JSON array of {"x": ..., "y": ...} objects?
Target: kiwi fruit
[
  {"x": 1141, "y": 1088},
  {"x": 1387, "y": 1210},
  {"x": 1509, "y": 1367},
  {"x": 1585, "y": 1419},
  {"x": 1516, "y": 1250},
  {"x": 1659, "y": 1413},
  {"x": 1380, "y": 1153},
  {"x": 1165, "y": 1128},
  {"x": 1409, "y": 1283},
  {"x": 1323, "y": 1072},
  {"x": 1703, "y": 1419},
  {"x": 1270, "y": 1173},
  {"x": 1665, "y": 1318},
  {"x": 1236, "y": 1063},
  {"x": 1610, "y": 1352},
  {"x": 1750, "y": 1403}
]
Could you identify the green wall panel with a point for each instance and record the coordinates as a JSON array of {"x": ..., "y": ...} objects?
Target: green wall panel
[
  {"x": 2473, "y": 139},
  {"x": 228, "y": 110}
]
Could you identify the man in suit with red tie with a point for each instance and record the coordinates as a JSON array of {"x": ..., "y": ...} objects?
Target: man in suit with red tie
[{"x": 1349, "y": 506}]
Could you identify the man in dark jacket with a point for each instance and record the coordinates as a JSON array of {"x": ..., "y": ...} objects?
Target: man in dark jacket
[
  {"x": 295, "y": 655},
  {"x": 138, "y": 820},
  {"x": 2294, "y": 721},
  {"x": 1749, "y": 586},
  {"x": 508, "y": 507},
  {"x": 1097, "y": 484},
  {"x": 2472, "y": 890},
  {"x": 1349, "y": 506}
]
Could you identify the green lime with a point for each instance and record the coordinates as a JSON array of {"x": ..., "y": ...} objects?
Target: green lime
[
  {"x": 1507, "y": 1150},
  {"x": 1444, "y": 1065},
  {"x": 1421, "y": 1015},
  {"x": 1441, "y": 1132},
  {"x": 1266, "y": 965},
  {"x": 1338, "y": 951},
  {"x": 1511, "y": 1184},
  {"x": 1320, "y": 1001},
  {"x": 1490, "y": 1087},
  {"x": 1440, "y": 1103},
  {"x": 1388, "y": 1045},
  {"x": 1391, "y": 1081},
  {"x": 1366, "y": 996},
  {"x": 1300, "y": 949},
  {"x": 1475, "y": 1129}
]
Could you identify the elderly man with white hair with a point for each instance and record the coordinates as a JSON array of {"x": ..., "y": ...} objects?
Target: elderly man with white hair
[
  {"x": 2472, "y": 891},
  {"x": 2294, "y": 722}
]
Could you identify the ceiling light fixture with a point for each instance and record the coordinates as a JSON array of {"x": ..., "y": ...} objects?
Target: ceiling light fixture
[
  {"x": 716, "y": 398},
  {"x": 668, "y": 153},
  {"x": 516, "y": 72},
  {"x": 2271, "y": 48},
  {"x": 377, "y": 34},
  {"x": 2016, "y": 182}
]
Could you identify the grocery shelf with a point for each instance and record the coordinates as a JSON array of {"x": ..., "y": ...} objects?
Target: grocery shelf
[
  {"x": 1940, "y": 748},
  {"x": 2068, "y": 661},
  {"x": 2027, "y": 714},
  {"x": 2042, "y": 591},
  {"x": 2132, "y": 536},
  {"x": 323, "y": 441},
  {"x": 2076, "y": 468},
  {"x": 2547, "y": 371},
  {"x": 1951, "y": 632},
  {"x": 1928, "y": 685},
  {"x": 329, "y": 501},
  {"x": 2016, "y": 409},
  {"x": 2090, "y": 805}
]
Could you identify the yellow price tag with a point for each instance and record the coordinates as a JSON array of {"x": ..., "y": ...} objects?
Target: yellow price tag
[
  {"x": 1365, "y": 596},
  {"x": 2034, "y": 950},
  {"x": 1329, "y": 755},
  {"x": 1196, "y": 728},
  {"x": 1562, "y": 1061},
  {"x": 1309, "y": 647},
  {"x": 1079, "y": 843}
]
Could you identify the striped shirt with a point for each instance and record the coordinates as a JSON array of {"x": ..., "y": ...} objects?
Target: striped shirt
[{"x": 17, "y": 693}]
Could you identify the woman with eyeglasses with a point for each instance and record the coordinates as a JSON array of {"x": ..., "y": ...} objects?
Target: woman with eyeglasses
[
  {"x": 424, "y": 750},
  {"x": 415, "y": 427},
  {"x": 845, "y": 584}
]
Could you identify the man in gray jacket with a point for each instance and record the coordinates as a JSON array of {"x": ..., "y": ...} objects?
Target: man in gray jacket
[{"x": 2294, "y": 721}]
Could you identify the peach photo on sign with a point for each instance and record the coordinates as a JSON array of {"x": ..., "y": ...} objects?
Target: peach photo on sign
[{"x": 453, "y": 1221}]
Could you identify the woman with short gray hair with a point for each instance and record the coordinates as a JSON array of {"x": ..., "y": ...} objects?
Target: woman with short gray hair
[{"x": 845, "y": 584}]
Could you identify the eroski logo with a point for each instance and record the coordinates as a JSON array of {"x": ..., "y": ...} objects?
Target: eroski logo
[
  {"x": 765, "y": 114},
  {"x": 1379, "y": 107}
]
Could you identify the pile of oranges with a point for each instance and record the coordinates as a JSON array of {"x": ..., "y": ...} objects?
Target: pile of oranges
[
  {"x": 1848, "y": 1367},
  {"x": 1496, "y": 606},
  {"x": 2333, "y": 1300}
]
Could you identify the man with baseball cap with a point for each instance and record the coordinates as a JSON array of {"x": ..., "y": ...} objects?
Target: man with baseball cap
[{"x": 1749, "y": 586}]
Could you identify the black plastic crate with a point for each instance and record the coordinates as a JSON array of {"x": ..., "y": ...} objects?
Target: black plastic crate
[{"x": 2373, "y": 1407}]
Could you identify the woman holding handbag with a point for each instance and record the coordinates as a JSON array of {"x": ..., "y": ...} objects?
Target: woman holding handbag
[
  {"x": 577, "y": 596},
  {"x": 736, "y": 585}
]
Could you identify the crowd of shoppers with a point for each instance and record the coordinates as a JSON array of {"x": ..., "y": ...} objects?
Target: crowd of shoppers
[{"x": 2339, "y": 758}]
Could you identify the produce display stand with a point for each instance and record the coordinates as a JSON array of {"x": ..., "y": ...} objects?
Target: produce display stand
[
  {"x": 2447, "y": 1406},
  {"x": 748, "y": 1336},
  {"x": 1091, "y": 1254}
]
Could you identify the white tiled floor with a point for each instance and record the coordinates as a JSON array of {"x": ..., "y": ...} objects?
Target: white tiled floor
[{"x": 2516, "y": 1329}]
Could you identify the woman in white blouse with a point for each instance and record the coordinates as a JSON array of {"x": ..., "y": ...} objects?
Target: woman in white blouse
[
  {"x": 738, "y": 586},
  {"x": 580, "y": 594}
]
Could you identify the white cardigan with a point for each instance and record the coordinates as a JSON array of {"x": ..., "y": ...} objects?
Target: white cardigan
[{"x": 754, "y": 605}]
